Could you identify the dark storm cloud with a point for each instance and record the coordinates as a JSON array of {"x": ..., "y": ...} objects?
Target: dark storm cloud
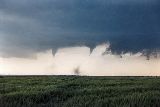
[{"x": 28, "y": 26}]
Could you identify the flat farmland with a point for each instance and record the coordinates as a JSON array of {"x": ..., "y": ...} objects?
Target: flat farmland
[{"x": 79, "y": 91}]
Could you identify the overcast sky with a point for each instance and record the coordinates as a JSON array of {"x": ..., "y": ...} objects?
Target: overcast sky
[
  {"x": 28, "y": 26},
  {"x": 32, "y": 27}
]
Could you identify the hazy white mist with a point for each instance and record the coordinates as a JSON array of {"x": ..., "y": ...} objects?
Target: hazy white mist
[{"x": 66, "y": 60}]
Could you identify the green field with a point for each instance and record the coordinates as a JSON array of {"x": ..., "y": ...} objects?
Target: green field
[{"x": 77, "y": 91}]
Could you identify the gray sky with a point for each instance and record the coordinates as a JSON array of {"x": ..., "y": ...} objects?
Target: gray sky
[
  {"x": 30, "y": 26},
  {"x": 32, "y": 30}
]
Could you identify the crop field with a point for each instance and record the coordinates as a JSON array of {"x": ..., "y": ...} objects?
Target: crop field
[{"x": 79, "y": 91}]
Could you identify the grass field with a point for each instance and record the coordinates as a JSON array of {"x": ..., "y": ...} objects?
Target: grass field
[{"x": 76, "y": 91}]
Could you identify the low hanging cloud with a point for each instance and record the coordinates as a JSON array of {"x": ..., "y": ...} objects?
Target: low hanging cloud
[
  {"x": 28, "y": 27},
  {"x": 79, "y": 61},
  {"x": 60, "y": 37}
]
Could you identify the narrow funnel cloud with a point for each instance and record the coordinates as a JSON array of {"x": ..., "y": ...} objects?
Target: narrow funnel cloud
[{"x": 79, "y": 61}]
